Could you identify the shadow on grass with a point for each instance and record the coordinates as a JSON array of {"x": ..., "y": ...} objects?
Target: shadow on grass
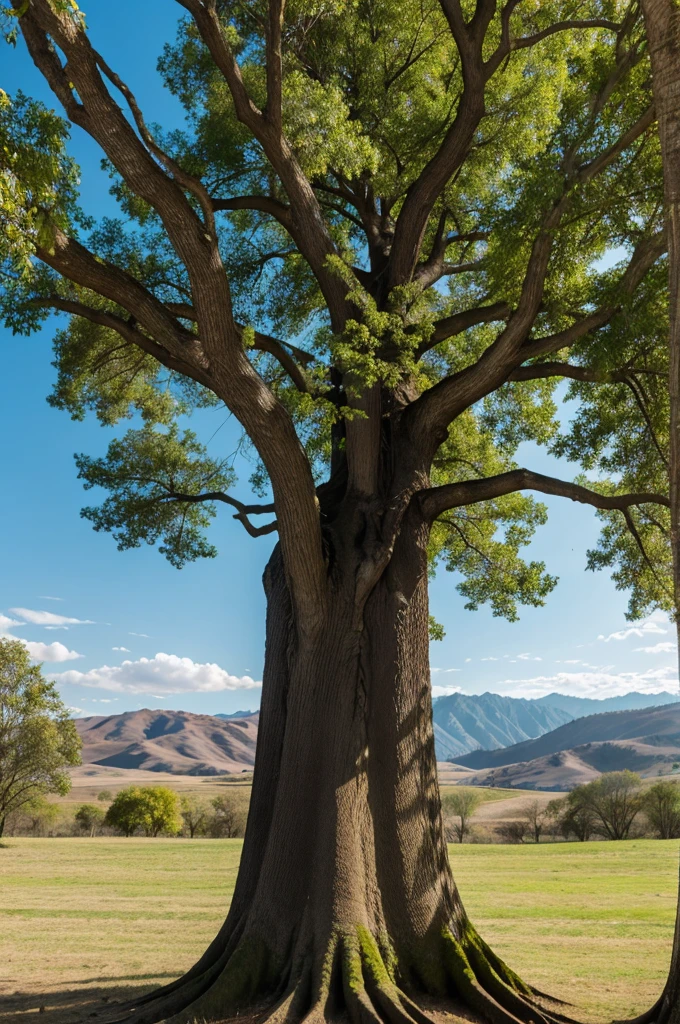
[{"x": 68, "y": 1006}]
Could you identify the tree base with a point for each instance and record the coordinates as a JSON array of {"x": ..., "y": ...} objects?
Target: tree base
[{"x": 358, "y": 979}]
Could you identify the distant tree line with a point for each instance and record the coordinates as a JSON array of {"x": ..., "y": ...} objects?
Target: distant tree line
[
  {"x": 149, "y": 811},
  {"x": 615, "y": 806}
]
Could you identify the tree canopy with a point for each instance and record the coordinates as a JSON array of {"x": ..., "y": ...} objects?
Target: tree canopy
[{"x": 367, "y": 197}]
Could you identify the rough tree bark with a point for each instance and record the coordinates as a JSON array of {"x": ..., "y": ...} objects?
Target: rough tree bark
[
  {"x": 345, "y": 899},
  {"x": 662, "y": 25}
]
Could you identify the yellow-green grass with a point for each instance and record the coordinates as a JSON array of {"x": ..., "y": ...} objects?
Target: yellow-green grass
[
  {"x": 591, "y": 923},
  {"x": 487, "y": 795}
]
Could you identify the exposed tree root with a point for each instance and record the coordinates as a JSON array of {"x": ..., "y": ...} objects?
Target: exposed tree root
[{"x": 359, "y": 977}]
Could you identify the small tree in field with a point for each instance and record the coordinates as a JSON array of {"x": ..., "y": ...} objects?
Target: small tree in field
[
  {"x": 536, "y": 817},
  {"x": 614, "y": 801},
  {"x": 572, "y": 817},
  {"x": 377, "y": 241},
  {"x": 38, "y": 740},
  {"x": 90, "y": 818},
  {"x": 195, "y": 814},
  {"x": 460, "y": 804},
  {"x": 226, "y": 821},
  {"x": 661, "y": 805}
]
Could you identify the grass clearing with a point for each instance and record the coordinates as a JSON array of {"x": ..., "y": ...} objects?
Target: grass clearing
[{"x": 85, "y": 918}]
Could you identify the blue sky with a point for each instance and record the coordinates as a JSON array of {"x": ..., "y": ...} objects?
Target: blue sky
[{"x": 150, "y": 636}]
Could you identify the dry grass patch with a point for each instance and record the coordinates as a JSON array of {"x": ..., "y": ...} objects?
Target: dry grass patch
[{"x": 86, "y": 919}]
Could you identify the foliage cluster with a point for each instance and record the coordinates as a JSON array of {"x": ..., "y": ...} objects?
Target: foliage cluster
[{"x": 38, "y": 739}]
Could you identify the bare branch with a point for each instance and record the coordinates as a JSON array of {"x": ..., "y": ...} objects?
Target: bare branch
[
  {"x": 76, "y": 263},
  {"x": 646, "y": 253},
  {"x": 264, "y": 204},
  {"x": 262, "y": 343},
  {"x": 128, "y": 331},
  {"x": 508, "y": 45},
  {"x": 241, "y": 515},
  {"x": 437, "y": 500},
  {"x": 312, "y": 233},
  {"x": 450, "y": 326}
]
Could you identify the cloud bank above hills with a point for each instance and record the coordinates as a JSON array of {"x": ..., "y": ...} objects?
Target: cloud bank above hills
[{"x": 162, "y": 675}]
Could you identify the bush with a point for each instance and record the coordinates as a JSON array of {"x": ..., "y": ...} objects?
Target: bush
[
  {"x": 90, "y": 818},
  {"x": 513, "y": 831},
  {"x": 150, "y": 809}
]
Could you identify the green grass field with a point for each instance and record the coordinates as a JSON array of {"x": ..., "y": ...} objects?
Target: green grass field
[{"x": 82, "y": 918}]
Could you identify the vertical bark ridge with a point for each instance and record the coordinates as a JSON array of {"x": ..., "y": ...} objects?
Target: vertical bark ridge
[{"x": 345, "y": 902}]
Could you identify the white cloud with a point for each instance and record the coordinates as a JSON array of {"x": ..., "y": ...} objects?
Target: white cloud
[
  {"x": 46, "y": 597},
  {"x": 598, "y": 683},
  {"x": 490, "y": 659},
  {"x": 664, "y": 647},
  {"x": 37, "y": 650},
  {"x": 49, "y": 652},
  {"x": 452, "y": 670},
  {"x": 528, "y": 657},
  {"x": 126, "y": 649},
  {"x": 39, "y": 618},
  {"x": 651, "y": 625},
  {"x": 145, "y": 635},
  {"x": 77, "y": 711},
  {"x": 159, "y": 676},
  {"x": 6, "y": 624},
  {"x": 445, "y": 691}
]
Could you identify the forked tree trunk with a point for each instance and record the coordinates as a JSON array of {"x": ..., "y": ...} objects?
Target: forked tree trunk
[{"x": 345, "y": 900}]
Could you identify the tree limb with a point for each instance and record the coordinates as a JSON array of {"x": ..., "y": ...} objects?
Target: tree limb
[
  {"x": 450, "y": 326},
  {"x": 243, "y": 510},
  {"x": 128, "y": 331},
  {"x": 265, "y": 204},
  {"x": 233, "y": 378},
  {"x": 436, "y": 500},
  {"x": 312, "y": 233}
]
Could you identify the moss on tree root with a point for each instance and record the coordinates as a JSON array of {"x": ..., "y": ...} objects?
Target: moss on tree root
[{"x": 360, "y": 974}]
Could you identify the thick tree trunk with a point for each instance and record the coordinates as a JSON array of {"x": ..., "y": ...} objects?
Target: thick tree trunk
[
  {"x": 345, "y": 899},
  {"x": 662, "y": 25}
]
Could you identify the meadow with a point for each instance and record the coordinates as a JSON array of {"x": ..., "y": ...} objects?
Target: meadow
[{"x": 85, "y": 921}]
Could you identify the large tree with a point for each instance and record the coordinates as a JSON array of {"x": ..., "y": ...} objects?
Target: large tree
[
  {"x": 38, "y": 739},
  {"x": 376, "y": 242}
]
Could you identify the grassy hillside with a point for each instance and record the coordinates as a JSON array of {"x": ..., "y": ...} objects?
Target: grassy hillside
[{"x": 81, "y": 919}]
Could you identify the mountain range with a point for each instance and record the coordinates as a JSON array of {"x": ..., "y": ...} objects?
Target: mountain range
[
  {"x": 488, "y": 721},
  {"x": 170, "y": 741},
  {"x": 515, "y": 735},
  {"x": 646, "y": 741}
]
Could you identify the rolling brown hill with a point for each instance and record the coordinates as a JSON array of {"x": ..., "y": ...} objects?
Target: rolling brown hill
[
  {"x": 646, "y": 742},
  {"x": 657, "y": 727},
  {"x": 170, "y": 741}
]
